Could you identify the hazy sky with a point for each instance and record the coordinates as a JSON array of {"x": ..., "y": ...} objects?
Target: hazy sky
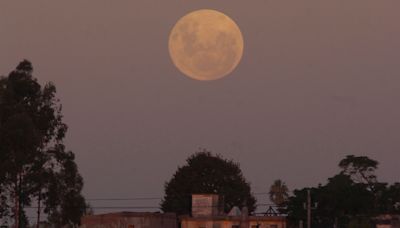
[{"x": 318, "y": 80}]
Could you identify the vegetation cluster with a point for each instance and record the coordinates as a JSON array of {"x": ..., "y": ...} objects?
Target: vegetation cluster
[{"x": 36, "y": 170}]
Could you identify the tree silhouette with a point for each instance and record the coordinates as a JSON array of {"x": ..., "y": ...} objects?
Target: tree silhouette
[
  {"x": 279, "y": 193},
  {"x": 205, "y": 173},
  {"x": 360, "y": 168},
  {"x": 31, "y": 143},
  {"x": 348, "y": 199}
]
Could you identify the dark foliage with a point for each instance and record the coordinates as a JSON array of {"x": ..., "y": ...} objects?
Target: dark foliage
[
  {"x": 32, "y": 154},
  {"x": 349, "y": 199},
  {"x": 206, "y": 173}
]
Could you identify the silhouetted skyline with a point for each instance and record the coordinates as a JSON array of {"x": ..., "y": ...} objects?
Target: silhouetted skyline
[{"x": 318, "y": 80}]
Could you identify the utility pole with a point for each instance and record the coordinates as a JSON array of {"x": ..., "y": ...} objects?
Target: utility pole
[
  {"x": 301, "y": 224},
  {"x": 308, "y": 208}
]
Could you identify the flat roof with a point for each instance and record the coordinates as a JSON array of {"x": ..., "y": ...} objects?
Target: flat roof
[
  {"x": 232, "y": 218},
  {"x": 131, "y": 214}
]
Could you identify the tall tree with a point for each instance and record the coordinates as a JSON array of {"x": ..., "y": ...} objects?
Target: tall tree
[
  {"x": 22, "y": 133},
  {"x": 205, "y": 173},
  {"x": 31, "y": 130},
  {"x": 279, "y": 193},
  {"x": 342, "y": 199},
  {"x": 360, "y": 168},
  {"x": 338, "y": 203},
  {"x": 64, "y": 203},
  {"x": 349, "y": 198}
]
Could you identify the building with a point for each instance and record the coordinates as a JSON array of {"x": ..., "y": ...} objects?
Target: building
[
  {"x": 207, "y": 213},
  {"x": 130, "y": 220},
  {"x": 387, "y": 221}
]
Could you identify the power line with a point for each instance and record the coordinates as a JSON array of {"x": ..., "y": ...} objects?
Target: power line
[
  {"x": 145, "y": 207},
  {"x": 123, "y": 199},
  {"x": 145, "y": 198},
  {"x": 110, "y": 207}
]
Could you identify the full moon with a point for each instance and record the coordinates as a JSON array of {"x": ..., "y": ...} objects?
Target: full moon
[{"x": 206, "y": 45}]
